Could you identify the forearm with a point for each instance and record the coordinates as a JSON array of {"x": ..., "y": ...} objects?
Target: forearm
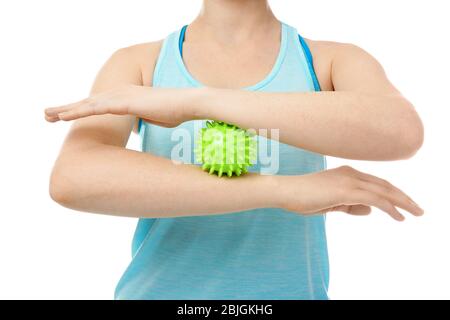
[
  {"x": 113, "y": 180},
  {"x": 342, "y": 124}
]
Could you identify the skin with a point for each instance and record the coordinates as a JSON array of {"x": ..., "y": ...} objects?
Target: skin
[{"x": 96, "y": 173}]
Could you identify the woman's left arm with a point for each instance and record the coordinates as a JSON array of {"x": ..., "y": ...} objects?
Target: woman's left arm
[{"x": 364, "y": 118}]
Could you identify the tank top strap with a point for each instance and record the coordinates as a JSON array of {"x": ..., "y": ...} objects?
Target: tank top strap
[
  {"x": 167, "y": 56},
  {"x": 299, "y": 48},
  {"x": 259, "y": 264}
]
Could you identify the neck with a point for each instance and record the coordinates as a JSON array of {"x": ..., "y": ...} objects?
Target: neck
[{"x": 234, "y": 20}]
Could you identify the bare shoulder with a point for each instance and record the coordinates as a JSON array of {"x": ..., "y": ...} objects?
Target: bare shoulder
[
  {"x": 142, "y": 56},
  {"x": 325, "y": 52},
  {"x": 329, "y": 49},
  {"x": 140, "y": 50}
]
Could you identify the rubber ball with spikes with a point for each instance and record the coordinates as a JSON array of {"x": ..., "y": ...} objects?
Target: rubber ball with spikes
[{"x": 225, "y": 149}]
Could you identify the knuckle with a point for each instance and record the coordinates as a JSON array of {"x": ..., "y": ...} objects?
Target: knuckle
[
  {"x": 347, "y": 169},
  {"x": 368, "y": 197},
  {"x": 93, "y": 105},
  {"x": 379, "y": 199},
  {"x": 348, "y": 182},
  {"x": 347, "y": 176},
  {"x": 383, "y": 201},
  {"x": 93, "y": 108}
]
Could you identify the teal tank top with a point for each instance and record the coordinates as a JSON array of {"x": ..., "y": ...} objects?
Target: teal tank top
[{"x": 258, "y": 254}]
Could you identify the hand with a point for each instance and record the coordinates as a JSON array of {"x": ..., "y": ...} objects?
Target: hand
[
  {"x": 344, "y": 189},
  {"x": 164, "y": 107}
]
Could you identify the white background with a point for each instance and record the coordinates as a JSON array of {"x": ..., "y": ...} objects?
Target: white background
[{"x": 50, "y": 53}]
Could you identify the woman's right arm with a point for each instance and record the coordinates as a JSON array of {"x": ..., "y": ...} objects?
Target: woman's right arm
[{"x": 96, "y": 173}]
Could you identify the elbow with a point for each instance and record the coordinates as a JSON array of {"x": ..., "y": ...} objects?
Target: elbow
[
  {"x": 413, "y": 142},
  {"x": 409, "y": 134},
  {"x": 60, "y": 188}
]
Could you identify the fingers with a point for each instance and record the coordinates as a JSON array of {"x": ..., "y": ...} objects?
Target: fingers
[
  {"x": 82, "y": 109},
  {"x": 381, "y": 193},
  {"x": 395, "y": 196},
  {"x": 356, "y": 210},
  {"x": 387, "y": 185},
  {"x": 53, "y": 112},
  {"x": 51, "y": 118},
  {"x": 390, "y": 192},
  {"x": 375, "y": 200}
]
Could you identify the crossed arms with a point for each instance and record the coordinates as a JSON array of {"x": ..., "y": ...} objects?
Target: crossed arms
[{"x": 363, "y": 118}]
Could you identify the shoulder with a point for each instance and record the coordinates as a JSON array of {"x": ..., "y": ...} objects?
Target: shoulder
[
  {"x": 141, "y": 56},
  {"x": 326, "y": 53},
  {"x": 331, "y": 49},
  {"x": 138, "y": 51}
]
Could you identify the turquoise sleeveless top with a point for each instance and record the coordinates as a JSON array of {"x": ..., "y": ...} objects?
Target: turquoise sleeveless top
[{"x": 258, "y": 254}]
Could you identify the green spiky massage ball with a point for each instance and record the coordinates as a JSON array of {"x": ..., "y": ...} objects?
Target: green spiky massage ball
[{"x": 222, "y": 148}]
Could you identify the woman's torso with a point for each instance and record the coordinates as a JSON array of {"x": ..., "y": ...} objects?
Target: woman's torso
[{"x": 257, "y": 254}]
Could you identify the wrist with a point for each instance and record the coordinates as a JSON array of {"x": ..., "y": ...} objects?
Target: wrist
[
  {"x": 256, "y": 189},
  {"x": 284, "y": 190},
  {"x": 272, "y": 191},
  {"x": 200, "y": 103}
]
